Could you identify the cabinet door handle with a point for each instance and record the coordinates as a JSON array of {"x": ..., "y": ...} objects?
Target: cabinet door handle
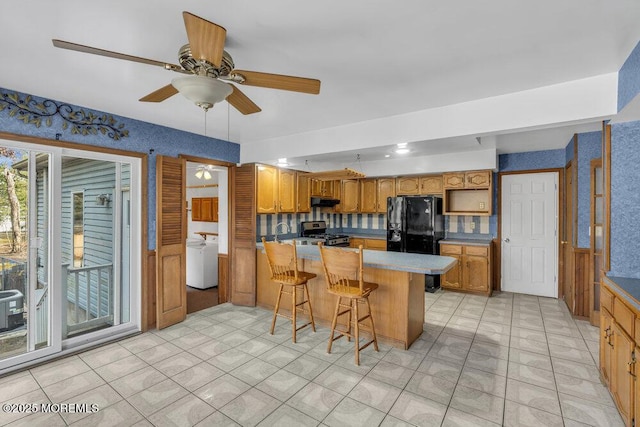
[{"x": 630, "y": 368}]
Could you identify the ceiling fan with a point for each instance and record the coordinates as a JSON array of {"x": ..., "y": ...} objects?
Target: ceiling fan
[{"x": 210, "y": 70}]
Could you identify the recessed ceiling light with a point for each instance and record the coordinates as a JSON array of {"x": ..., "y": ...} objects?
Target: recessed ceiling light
[
  {"x": 387, "y": 155},
  {"x": 282, "y": 162},
  {"x": 402, "y": 145},
  {"x": 402, "y": 150}
]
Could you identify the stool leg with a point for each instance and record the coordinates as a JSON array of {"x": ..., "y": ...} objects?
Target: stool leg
[
  {"x": 349, "y": 319},
  {"x": 313, "y": 325},
  {"x": 356, "y": 326},
  {"x": 294, "y": 310},
  {"x": 275, "y": 310},
  {"x": 333, "y": 325},
  {"x": 373, "y": 329}
]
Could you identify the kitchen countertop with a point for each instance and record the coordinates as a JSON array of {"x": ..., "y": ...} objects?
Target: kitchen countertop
[
  {"x": 467, "y": 242},
  {"x": 630, "y": 289},
  {"x": 398, "y": 261}
]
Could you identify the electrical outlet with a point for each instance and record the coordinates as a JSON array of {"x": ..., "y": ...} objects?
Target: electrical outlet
[
  {"x": 472, "y": 225},
  {"x": 481, "y": 205},
  {"x": 345, "y": 221}
]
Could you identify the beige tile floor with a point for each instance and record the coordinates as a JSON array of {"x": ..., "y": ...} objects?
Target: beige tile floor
[{"x": 511, "y": 360}]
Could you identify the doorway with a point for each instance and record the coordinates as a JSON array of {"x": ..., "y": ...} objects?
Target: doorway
[
  {"x": 206, "y": 212},
  {"x": 529, "y": 232}
]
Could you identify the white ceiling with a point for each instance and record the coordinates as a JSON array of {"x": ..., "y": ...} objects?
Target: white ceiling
[{"x": 376, "y": 59}]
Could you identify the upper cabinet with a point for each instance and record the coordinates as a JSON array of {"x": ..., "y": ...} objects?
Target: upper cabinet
[
  {"x": 321, "y": 188},
  {"x": 204, "y": 209},
  {"x": 386, "y": 188},
  {"x": 475, "y": 179},
  {"x": 368, "y": 195},
  {"x": 275, "y": 190},
  {"x": 468, "y": 193},
  {"x": 431, "y": 184},
  {"x": 419, "y": 185},
  {"x": 304, "y": 193},
  {"x": 408, "y": 186},
  {"x": 266, "y": 189},
  {"x": 350, "y": 196}
]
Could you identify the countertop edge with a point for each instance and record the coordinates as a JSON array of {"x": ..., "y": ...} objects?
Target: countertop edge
[{"x": 627, "y": 288}]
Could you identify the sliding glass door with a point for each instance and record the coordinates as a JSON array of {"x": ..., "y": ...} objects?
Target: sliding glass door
[{"x": 69, "y": 231}]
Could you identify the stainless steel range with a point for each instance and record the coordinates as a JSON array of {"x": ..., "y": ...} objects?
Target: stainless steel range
[{"x": 318, "y": 230}]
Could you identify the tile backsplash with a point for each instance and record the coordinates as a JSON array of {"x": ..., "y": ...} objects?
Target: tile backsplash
[{"x": 455, "y": 226}]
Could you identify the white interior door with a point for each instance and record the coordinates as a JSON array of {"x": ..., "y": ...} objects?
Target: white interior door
[{"x": 529, "y": 227}]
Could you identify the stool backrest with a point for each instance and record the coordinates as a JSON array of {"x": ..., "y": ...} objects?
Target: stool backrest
[
  {"x": 343, "y": 268},
  {"x": 282, "y": 259}
]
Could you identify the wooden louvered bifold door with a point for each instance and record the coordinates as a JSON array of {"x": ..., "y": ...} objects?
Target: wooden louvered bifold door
[
  {"x": 243, "y": 236},
  {"x": 171, "y": 222}
]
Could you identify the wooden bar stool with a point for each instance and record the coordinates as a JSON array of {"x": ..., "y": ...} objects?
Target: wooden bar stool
[
  {"x": 283, "y": 263},
  {"x": 344, "y": 275}
]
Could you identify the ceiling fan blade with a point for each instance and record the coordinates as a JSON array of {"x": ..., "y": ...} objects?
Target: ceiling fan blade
[
  {"x": 102, "y": 52},
  {"x": 160, "y": 94},
  {"x": 241, "y": 102},
  {"x": 279, "y": 81},
  {"x": 206, "y": 39}
]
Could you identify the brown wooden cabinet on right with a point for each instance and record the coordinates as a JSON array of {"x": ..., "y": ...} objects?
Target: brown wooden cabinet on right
[
  {"x": 619, "y": 346},
  {"x": 204, "y": 209},
  {"x": 472, "y": 272}
]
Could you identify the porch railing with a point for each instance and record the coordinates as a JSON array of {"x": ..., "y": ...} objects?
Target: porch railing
[{"x": 89, "y": 301}]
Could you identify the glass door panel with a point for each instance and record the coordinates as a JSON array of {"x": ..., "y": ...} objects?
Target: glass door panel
[{"x": 25, "y": 297}]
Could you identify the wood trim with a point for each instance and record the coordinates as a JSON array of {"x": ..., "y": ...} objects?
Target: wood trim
[
  {"x": 560, "y": 172},
  {"x": 197, "y": 159},
  {"x": 496, "y": 265},
  {"x": 593, "y": 280},
  {"x": 574, "y": 196},
  {"x": 606, "y": 172},
  {"x": 149, "y": 293},
  {"x": 203, "y": 186},
  {"x": 582, "y": 266},
  {"x": 223, "y": 278},
  {"x": 71, "y": 145}
]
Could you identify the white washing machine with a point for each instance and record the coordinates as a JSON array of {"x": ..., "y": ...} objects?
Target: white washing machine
[{"x": 202, "y": 264}]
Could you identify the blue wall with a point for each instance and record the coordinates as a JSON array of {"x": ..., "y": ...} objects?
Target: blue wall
[
  {"x": 589, "y": 147},
  {"x": 625, "y": 200},
  {"x": 629, "y": 78},
  {"x": 142, "y": 138},
  {"x": 546, "y": 159}
]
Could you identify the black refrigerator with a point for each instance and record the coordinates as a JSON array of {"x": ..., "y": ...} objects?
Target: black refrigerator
[{"x": 415, "y": 224}]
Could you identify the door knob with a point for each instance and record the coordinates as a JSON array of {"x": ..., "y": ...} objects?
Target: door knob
[{"x": 507, "y": 240}]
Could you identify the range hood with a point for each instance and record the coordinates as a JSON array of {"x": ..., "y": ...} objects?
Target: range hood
[{"x": 322, "y": 202}]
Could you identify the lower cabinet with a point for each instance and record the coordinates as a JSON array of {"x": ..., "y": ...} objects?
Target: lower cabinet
[
  {"x": 618, "y": 352},
  {"x": 472, "y": 272},
  {"x": 375, "y": 244}
]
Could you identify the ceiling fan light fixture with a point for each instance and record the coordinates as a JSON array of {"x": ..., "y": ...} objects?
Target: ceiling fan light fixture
[{"x": 203, "y": 91}]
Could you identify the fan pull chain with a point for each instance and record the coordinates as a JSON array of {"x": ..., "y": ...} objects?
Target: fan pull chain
[{"x": 205, "y": 122}]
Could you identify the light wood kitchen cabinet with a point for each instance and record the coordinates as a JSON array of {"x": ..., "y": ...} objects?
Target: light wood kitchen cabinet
[
  {"x": 204, "y": 209},
  {"x": 303, "y": 193},
  {"x": 371, "y": 244},
  {"x": 286, "y": 191},
  {"x": 452, "y": 278},
  {"x": 619, "y": 347},
  {"x": 468, "y": 193},
  {"x": 623, "y": 372},
  {"x": 350, "y": 196},
  {"x": 408, "y": 185},
  {"x": 386, "y": 188},
  {"x": 321, "y": 188},
  {"x": 431, "y": 184},
  {"x": 473, "y": 179},
  {"x": 275, "y": 190},
  {"x": 606, "y": 347},
  {"x": 266, "y": 189},
  {"x": 368, "y": 195},
  {"x": 473, "y": 272}
]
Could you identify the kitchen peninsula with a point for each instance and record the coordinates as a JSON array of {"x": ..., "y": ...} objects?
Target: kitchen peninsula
[{"x": 397, "y": 304}]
